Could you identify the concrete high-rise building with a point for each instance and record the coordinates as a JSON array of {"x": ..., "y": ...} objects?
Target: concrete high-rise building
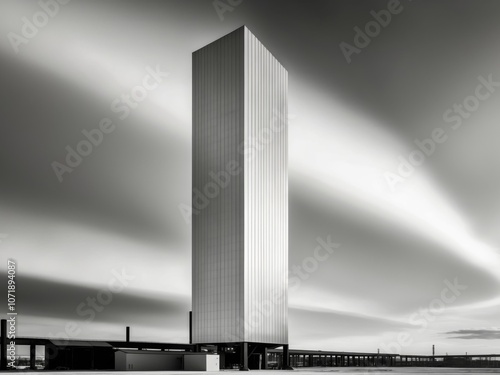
[{"x": 240, "y": 198}]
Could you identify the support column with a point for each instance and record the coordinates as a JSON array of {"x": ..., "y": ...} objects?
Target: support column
[
  {"x": 264, "y": 360},
  {"x": 48, "y": 357},
  {"x": 244, "y": 356},
  {"x": 3, "y": 346},
  {"x": 286, "y": 357},
  {"x": 32, "y": 356}
]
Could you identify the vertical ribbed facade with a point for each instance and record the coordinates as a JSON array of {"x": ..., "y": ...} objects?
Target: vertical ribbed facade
[
  {"x": 218, "y": 222},
  {"x": 266, "y": 195},
  {"x": 240, "y": 193}
]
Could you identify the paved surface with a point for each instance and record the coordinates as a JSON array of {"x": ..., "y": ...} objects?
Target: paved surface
[{"x": 302, "y": 371}]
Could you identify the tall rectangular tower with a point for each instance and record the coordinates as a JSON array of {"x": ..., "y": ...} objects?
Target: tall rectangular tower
[{"x": 240, "y": 193}]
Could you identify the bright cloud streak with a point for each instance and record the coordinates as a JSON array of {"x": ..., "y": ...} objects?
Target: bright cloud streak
[{"x": 356, "y": 166}]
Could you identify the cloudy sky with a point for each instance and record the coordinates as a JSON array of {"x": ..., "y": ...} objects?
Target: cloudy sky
[{"x": 419, "y": 260}]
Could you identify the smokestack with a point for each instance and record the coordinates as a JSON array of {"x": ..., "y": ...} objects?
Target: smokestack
[
  {"x": 190, "y": 327},
  {"x": 433, "y": 351},
  {"x": 128, "y": 334}
]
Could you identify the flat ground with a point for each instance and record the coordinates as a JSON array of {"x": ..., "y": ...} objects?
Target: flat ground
[{"x": 306, "y": 371}]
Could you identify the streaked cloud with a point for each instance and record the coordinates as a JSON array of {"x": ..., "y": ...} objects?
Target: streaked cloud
[{"x": 476, "y": 334}]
